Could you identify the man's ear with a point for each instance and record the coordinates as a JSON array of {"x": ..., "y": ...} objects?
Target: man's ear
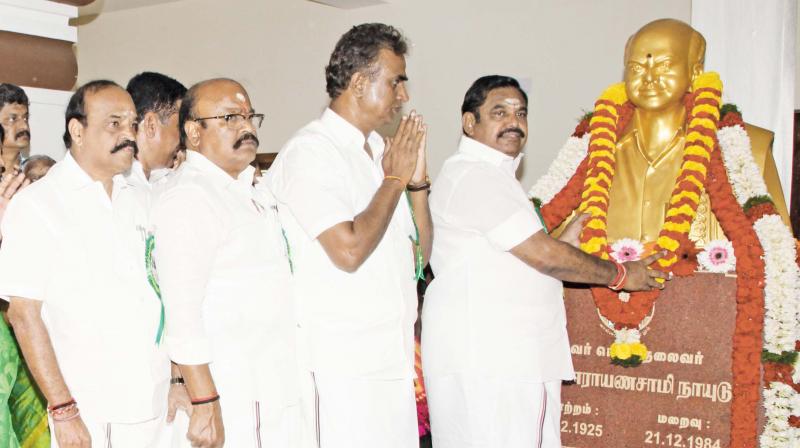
[
  {"x": 150, "y": 123},
  {"x": 192, "y": 129},
  {"x": 358, "y": 83},
  {"x": 75, "y": 129},
  {"x": 468, "y": 123}
]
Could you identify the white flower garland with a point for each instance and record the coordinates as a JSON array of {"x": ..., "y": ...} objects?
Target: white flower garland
[
  {"x": 743, "y": 173},
  {"x": 782, "y": 276},
  {"x": 781, "y": 288},
  {"x": 780, "y": 402},
  {"x": 561, "y": 170},
  {"x": 796, "y": 373}
]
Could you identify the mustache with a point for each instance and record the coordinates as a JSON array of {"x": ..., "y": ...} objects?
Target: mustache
[
  {"x": 515, "y": 130},
  {"x": 22, "y": 133},
  {"x": 245, "y": 138},
  {"x": 126, "y": 144}
]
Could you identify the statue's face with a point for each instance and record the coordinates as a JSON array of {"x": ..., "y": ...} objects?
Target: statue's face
[{"x": 657, "y": 69}]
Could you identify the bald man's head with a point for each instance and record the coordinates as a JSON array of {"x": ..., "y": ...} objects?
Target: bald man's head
[
  {"x": 218, "y": 121},
  {"x": 197, "y": 91}
]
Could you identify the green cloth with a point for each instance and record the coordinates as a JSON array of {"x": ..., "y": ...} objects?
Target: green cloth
[{"x": 23, "y": 412}]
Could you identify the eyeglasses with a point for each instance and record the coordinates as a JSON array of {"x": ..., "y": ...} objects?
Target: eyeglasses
[{"x": 235, "y": 121}]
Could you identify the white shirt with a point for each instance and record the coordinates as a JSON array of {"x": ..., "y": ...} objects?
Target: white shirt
[
  {"x": 224, "y": 276},
  {"x": 355, "y": 324},
  {"x": 68, "y": 245},
  {"x": 158, "y": 177},
  {"x": 144, "y": 188},
  {"x": 486, "y": 311}
]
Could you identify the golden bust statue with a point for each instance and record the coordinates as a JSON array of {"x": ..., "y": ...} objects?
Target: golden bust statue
[{"x": 661, "y": 60}]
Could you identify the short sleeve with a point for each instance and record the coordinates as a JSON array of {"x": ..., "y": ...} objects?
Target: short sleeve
[
  {"x": 490, "y": 202},
  {"x": 308, "y": 179},
  {"x": 27, "y": 250}
]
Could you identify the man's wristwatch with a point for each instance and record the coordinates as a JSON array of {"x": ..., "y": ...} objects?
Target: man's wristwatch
[
  {"x": 424, "y": 185},
  {"x": 177, "y": 380}
]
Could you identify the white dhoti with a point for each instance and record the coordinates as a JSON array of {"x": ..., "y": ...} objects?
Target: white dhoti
[
  {"x": 469, "y": 411},
  {"x": 361, "y": 413},
  {"x": 251, "y": 425}
]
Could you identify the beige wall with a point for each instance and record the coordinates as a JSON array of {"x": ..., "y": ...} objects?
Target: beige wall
[
  {"x": 565, "y": 50},
  {"x": 797, "y": 64}
]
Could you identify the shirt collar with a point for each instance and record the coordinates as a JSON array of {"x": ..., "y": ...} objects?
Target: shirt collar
[
  {"x": 73, "y": 175},
  {"x": 488, "y": 154},
  {"x": 136, "y": 173},
  {"x": 348, "y": 136},
  {"x": 159, "y": 174},
  {"x": 202, "y": 164}
]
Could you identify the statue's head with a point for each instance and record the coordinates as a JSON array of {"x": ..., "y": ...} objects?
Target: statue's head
[{"x": 661, "y": 60}]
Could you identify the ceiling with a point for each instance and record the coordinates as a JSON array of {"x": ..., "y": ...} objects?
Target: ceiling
[
  {"x": 349, "y": 4},
  {"x": 100, "y": 6}
]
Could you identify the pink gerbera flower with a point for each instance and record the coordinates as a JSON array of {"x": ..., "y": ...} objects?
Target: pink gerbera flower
[
  {"x": 627, "y": 249},
  {"x": 718, "y": 257}
]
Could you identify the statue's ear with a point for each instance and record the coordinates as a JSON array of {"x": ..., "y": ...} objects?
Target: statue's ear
[
  {"x": 468, "y": 123},
  {"x": 697, "y": 70}
]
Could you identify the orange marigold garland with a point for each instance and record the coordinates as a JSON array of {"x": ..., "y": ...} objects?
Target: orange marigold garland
[
  {"x": 747, "y": 341},
  {"x": 565, "y": 201}
]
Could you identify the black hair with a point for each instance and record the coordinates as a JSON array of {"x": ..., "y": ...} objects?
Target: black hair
[
  {"x": 154, "y": 92},
  {"x": 76, "y": 108},
  {"x": 356, "y": 50},
  {"x": 2, "y": 136},
  {"x": 476, "y": 95},
  {"x": 11, "y": 94}
]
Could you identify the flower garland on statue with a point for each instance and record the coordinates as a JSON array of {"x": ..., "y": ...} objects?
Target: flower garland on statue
[
  {"x": 611, "y": 115},
  {"x": 748, "y": 217}
]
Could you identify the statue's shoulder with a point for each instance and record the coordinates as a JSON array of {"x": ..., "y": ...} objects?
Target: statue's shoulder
[{"x": 760, "y": 142}]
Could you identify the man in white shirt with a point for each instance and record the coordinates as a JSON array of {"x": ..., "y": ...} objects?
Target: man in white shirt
[
  {"x": 224, "y": 272},
  {"x": 494, "y": 339},
  {"x": 355, "y": 243},
  {"x": 157, "y": 98},
  {"x": 72, "y": 263}
]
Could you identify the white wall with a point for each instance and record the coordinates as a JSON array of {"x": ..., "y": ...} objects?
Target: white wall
[
  {"x": 51, "y": 20},
  {"x": 797, "y": 65},
  {"x": 47, "y": 121},
  {"x": 567, "y": 51},
  {"x": 742, "y": 33}
]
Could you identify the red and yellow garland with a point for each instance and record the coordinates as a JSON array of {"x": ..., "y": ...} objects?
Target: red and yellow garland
[{"x": 604, "y": 127}]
